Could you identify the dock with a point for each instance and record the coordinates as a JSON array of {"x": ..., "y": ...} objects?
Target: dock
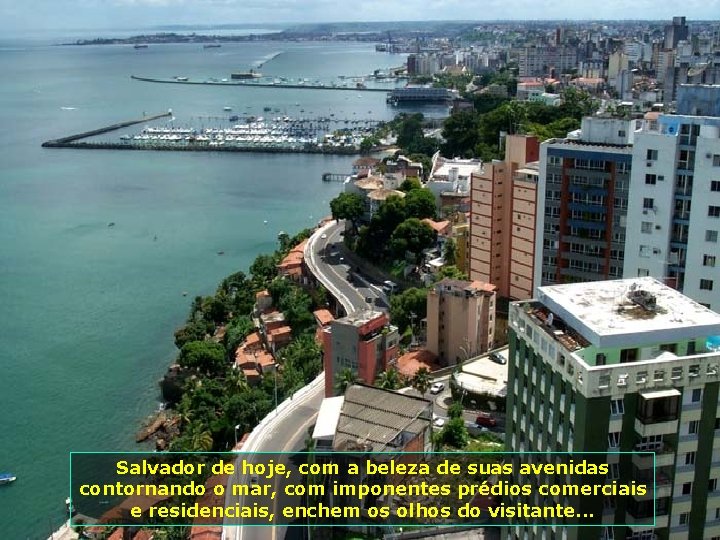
[
  {"x": 57, "y": 143},
  {"x": 292, "y": 86},
  {"x": 334, "y": 177}
]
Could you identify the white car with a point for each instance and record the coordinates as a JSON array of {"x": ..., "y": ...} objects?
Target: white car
[
  {"x": 437, "y": 388},
  {"x": 438, "y": 422},
  {"x": 323, "y": 236}
]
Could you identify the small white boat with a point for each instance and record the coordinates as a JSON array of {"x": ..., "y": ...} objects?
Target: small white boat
[
  {"x": 227, "y": 108},
  {"x": 6, "y": 478}
]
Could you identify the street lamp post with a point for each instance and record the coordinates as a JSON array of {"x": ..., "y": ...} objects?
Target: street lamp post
[{"x": 236, "y": 430}]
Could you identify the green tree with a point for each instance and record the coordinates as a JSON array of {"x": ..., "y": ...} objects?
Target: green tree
[
  {"x": 450, "y": 272},
  {"x": 421, "y": 380},
  {"x": 450, "y": 252},
  {"x": 461, "y": 135},
  {"x": 420, "y": 203},
  {"x": 403, "y": 305},
  {"x": 203, "y": 356},
  {"x": 344, "y": 380},
  {"x": 348, "y": 206},
  {"x": 455, "y": 433},
  {"x": 455, "y": 410},
  {"x": 409, "y": 184},
  {"x": 192, "y": 331},
  {"x": 409, "y": 132},
  {"x": 263, "y": 270},
  {"x": 388, "y": 379},
  {"x": 413, "y": 236},
  {"x": 236, "y": 331}
]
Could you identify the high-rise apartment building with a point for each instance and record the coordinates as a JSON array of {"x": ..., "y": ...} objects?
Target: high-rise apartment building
[
  {"x": 673, "y": 219},
  {"x": 460, "y": 319},
  {"x": 363, "y": 342},
  {"x": 502, "y": 219},
  {"x": 624, "y": 365},
  {"x": 582, "y": 209}
]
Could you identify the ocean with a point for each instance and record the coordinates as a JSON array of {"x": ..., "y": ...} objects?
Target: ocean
[{"x": 88, "y": 310}]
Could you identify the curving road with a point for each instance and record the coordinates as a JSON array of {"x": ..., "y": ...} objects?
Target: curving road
[{"x": 323, "y": 257}]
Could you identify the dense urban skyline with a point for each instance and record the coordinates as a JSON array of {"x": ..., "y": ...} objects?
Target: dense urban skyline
[{"x": 97, "y": 14}]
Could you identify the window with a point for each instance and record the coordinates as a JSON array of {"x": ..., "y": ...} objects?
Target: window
[
  {"x": 600, "y": 359},
  {"x": 646, "y": 227},
  {"x": 696, "y": 395},
  {"x": 708, "y": 260},
  {"x": 715, "y": 185},
  {"x": 706, "y": 284},
  {"x": 652, "y": 155},
  {"x": 686, "y": 489},
  {"x": 684, "y": 517},
  {"x": 711, "y": 236},
  {"x": 651, "y": 179},
  {"x": 649, "y": 204},
  {"x": 690, "y": 458},
  {"x": 628, "y": 355},
  {"x": 614, "y": 439},
  {"x": 693, "y": 426},
  {"x": 716, "y": 160},
  {"x": 643, "y": 272},
  {"x": 713, "y": 211},
  {"x": 712, "y": 485},
  {"x": 617, "y": 406}
]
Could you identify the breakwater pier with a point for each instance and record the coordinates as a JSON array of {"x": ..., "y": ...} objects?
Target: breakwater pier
[
  {"x": 262, "y": 84},
  {"x": 56, "y": 143}
]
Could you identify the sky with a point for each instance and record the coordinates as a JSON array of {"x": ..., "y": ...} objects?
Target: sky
[{"x": 22, "y": 15}]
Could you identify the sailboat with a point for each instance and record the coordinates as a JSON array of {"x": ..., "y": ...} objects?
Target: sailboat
[{"x": 6, "y": 478}]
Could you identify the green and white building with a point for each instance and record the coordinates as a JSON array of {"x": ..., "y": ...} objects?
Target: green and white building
[{"x": 619, "y": 366}]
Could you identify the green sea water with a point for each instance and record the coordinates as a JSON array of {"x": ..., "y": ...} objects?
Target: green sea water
[{"x": 87, "y": 311}]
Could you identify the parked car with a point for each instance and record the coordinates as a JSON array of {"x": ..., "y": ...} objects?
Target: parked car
[
  {"x": 485, "y": 420},
  {"x": 498, "y": 358},
  {"x": 437, "y": 387},
  {"x": 438, "y": 421}
]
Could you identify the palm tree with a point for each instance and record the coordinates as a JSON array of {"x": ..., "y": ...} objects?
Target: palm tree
[
  {"x": 421, "y": 380},
  {"x": 345, "y": 379},
  {"x": 388, "y": 380},
  {"x": 200, "y": 439}
]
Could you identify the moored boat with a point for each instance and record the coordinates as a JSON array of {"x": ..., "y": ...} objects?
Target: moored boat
[{"x": 6, "y": 478}]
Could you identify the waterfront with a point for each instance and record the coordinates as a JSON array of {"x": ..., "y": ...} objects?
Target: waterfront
[{"x": 88, "y": 309}]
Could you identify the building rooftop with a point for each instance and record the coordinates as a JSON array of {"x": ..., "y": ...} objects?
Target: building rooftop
[
  {"x": 457, "y": 285},
  {"x": 628, "y": 312},
  {"x": 323, "y": 317},
  {"x": 371, "y": 183},
  {"x": 482, "y": 375},
  {"x": 327, "y": 419},
  {"x": 465, "y": 167},
  {"x": 359, "y": 318},
  {"x": 379, "y": 420},
  {"x": 382, "y": 194}
]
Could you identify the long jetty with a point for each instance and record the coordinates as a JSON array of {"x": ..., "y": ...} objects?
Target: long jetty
[
  {"x": 64, "y": 141},
  {"x": 293, "y": 86}
]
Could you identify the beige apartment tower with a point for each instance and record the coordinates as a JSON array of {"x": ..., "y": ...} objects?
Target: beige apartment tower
[
  {"x": 502, "y": 223},
  {"x": 460, "y": 319}
]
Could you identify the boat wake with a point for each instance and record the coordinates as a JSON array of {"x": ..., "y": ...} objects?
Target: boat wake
[
  {"x": 265, "y": 59},
  {"x": 68, "y": 108}
]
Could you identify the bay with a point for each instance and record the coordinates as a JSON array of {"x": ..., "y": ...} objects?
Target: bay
[{"x": 87, "y": 310}]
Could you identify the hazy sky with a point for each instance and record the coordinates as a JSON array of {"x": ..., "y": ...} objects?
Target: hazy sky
[{"x": 104, "y": 14}]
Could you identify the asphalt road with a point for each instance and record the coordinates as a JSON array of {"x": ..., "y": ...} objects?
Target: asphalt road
[
  {"x": 327, "y": 264},
  {"x": 287, "y": 433}
]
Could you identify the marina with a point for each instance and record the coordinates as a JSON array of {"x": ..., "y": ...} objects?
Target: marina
[{"x": 279, "y": 134}]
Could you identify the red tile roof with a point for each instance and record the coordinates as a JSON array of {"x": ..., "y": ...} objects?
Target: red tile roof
[
  {"x": 410, "y": 362},
  {"x": 323, "y": 317}
]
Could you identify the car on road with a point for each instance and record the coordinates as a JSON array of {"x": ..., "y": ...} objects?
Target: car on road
[
  {"x": 389, "y": 287},
  {"x": 437, "y": 387},
  {"x": 323, "y": 236},
  {"x": 498, "y": 358},
  {"x": 438, "y": 421},
  {"x": 485, "y": 419}
]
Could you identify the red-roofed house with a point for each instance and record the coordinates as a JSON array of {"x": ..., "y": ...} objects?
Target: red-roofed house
[
  {"x": 440, "y": 227},
  {"x": 291, "y": 265},
  {"x": 263, "y": 301},
  {"x": 278, "y": 337},
  {"x": 323, "y": 318},
  {"x": 204, "y": 532}
]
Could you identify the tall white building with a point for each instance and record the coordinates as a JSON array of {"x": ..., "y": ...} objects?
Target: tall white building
[
  {"x": 673, "y": 217},
  {"x": 624, "y": 365}
]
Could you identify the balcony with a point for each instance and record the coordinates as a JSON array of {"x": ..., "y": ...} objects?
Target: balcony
[
  {"x": 656, "y": 427},
  {"x": 664, "y": 456}
]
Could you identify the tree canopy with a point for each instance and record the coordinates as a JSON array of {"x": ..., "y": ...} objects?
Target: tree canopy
[
  {"x": 413, "y": 236},
  {"x": 347, "y": 206},
  {"x": 403, "y": 305},
  {"x": 206, "y": 357}
]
